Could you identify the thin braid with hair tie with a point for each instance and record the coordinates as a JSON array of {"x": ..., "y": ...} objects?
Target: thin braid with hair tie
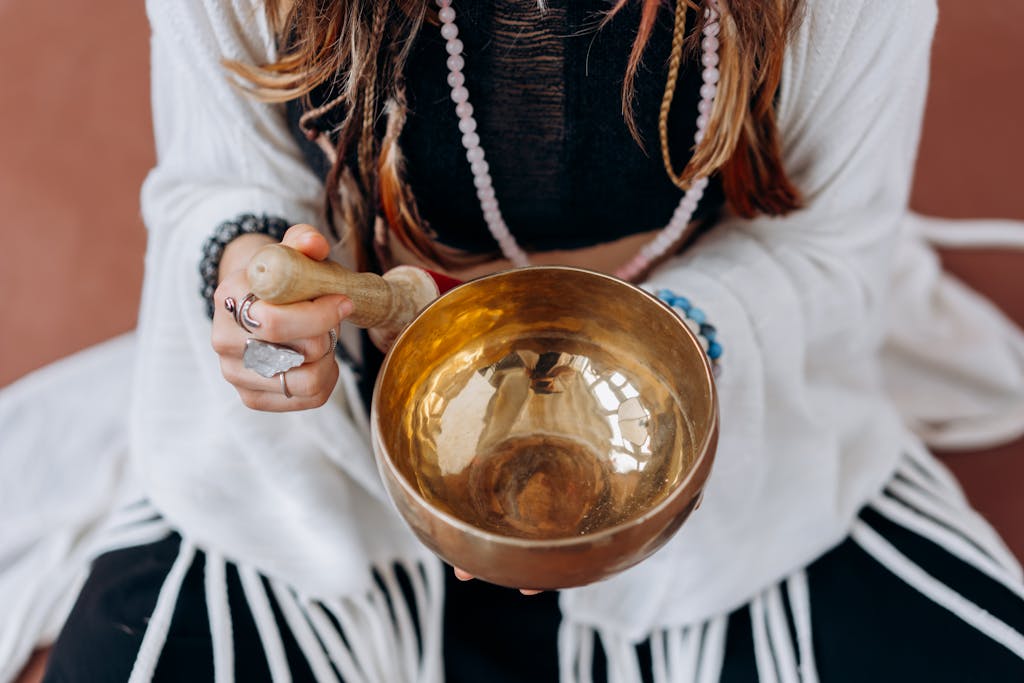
[
  {"x": 311, "y": 132},
  {"x": 675, "y": 62},
  {"x": 367, "y": 143}
]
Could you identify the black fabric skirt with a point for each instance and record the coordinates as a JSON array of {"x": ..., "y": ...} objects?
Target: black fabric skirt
[{"x": 868, "y": 623}]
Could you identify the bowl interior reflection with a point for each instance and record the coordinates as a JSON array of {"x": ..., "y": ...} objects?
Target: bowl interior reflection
[
  {"x": 543, "y": 436},
  {"x": 544, "y": 417}
]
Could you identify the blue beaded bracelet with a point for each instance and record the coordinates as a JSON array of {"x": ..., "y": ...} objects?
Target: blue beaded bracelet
[{"x": 696, "y": 320}]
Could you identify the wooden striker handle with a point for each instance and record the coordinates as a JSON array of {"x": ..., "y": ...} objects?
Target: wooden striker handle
[{"x": 282, "y": 275}]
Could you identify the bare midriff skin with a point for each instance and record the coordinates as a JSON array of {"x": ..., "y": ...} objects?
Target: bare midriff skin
[{"x": 605, "y": 257}]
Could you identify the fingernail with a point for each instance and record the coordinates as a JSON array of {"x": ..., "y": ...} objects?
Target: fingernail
[{"x": 345, "y": 308}]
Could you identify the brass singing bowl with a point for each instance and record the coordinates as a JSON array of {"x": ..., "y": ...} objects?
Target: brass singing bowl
[{"x": 545, "y": 427}]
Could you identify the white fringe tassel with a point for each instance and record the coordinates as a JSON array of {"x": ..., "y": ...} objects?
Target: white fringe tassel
[
  {"x": 362, "y": 639},
  {"x": 688, "y": 654},
  {"x": 404, "y": 633},
  {"x": 899, "y": 564},
  {"x": 683, "y": 653},
  {"x": 304, "y": 636},
  {"x": 800, "y": 603},
  {"x": 763, "y": 655},
  {"x": 160, "y": 621},
  {"x": 361, "y": 644},
  {"x": 712, "y": 651},
  {"x": 219, "y": 611},
  {"x": 131, "y": 525},
  {"x": 950, "y": 508},
  {"x": 954, "y": 543},
  {"x": 781, "y": 638},
  {"x": 978, "y": 234},
  {"x": 266, "y": 626},
  {"x": 337, "y": 650}
]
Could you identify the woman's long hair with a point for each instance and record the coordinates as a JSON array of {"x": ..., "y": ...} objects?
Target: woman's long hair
[{"x": 361, "y": 46}]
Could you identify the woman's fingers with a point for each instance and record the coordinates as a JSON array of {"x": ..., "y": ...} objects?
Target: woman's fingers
[
  {"x": 308, "y": 240},
  {"x": 308, "y": 380},
  {"x": 309, "y": 386},
  {"x": 305, "y": 319},
  {"x": 230, "y": 345},
  {"x": 306, "y": 327},
  {"x": 463, "y": 575},
  {"x": 277, "y": 402}
]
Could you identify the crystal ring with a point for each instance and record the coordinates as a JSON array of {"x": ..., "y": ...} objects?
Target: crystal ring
[{"x": 267, "y": 360}]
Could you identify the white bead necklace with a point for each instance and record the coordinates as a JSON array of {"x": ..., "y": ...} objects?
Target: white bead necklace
[{"x": 481, "y": 171}]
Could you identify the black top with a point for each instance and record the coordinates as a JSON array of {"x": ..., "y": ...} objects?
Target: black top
[{"x": 546, "y": 90}]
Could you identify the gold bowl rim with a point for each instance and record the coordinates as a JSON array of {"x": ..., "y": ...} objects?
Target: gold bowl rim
[{"x": 704, "y": 450}]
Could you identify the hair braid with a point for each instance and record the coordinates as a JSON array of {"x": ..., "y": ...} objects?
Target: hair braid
[{"x": 674, "y": 63}]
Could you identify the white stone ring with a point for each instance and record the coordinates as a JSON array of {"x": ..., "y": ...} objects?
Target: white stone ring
[{"x": 268, "y": 360}]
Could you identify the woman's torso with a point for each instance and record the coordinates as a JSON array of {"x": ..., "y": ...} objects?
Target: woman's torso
[{"x": 574, "y": 186}]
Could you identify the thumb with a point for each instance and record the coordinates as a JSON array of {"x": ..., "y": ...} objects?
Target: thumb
[{"x": 307, "y": 240}]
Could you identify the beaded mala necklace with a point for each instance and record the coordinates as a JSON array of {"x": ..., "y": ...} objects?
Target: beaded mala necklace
[{"x": 476, "y": 156}]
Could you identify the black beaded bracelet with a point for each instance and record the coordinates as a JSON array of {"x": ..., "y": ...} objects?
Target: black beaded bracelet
[{"x": 213, "y": 248}]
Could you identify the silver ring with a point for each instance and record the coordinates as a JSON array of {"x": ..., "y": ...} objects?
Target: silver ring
[
  {"x": 334, "y": 343},
  {"x": 245, "y": 320},
  {"x": 240, "y": 312},
  {"x": 267, "y": 360},
  {"x": 284, "y": 385}
]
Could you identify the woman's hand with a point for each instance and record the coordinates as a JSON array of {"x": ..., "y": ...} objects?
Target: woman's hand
[
  {"x": 463, "y": 575},
  {"x": 304, "y": 326}
]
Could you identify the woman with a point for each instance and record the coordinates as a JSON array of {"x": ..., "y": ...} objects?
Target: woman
[{"x": 261, "y": 544}]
